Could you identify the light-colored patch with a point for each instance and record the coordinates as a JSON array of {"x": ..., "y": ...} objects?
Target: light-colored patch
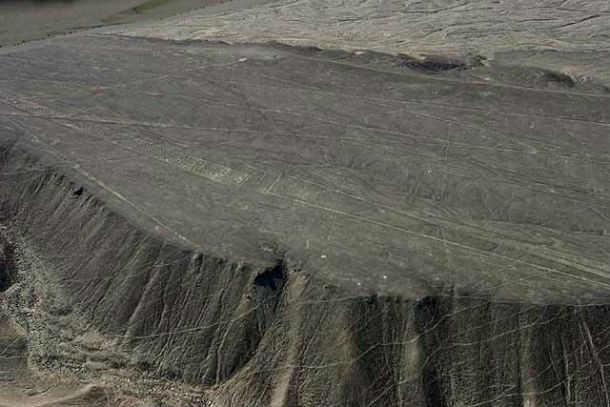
[{"x": 458, "y": 28}]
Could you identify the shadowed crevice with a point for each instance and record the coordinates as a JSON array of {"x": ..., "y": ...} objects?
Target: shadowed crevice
[
  {"x": 8, "y": 267},
  {"x": 272, "y": 278}
]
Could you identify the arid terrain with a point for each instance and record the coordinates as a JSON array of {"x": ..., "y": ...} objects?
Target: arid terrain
[
  {"x": 341, "y": 203},
  {"x": 26, "y": 20}
]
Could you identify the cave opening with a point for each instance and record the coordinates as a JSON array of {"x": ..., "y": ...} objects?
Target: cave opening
[{"x": 271, "y": 277}]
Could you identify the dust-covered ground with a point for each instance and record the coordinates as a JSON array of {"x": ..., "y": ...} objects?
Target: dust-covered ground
[
  {"x": 449, "y": 177},
  {"x": 246, "y": 220},
  {"x": 25, "y": 20},
  {"x": 570, "y": 36},
  {"x": 410, "y": 210}
]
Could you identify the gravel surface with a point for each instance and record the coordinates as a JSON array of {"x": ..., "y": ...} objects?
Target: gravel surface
[{"x": 458, "y": 28}]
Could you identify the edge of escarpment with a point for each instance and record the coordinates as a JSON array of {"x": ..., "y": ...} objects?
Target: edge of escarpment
[
  {"x": 96, "y": 293},
  {"x": 521, "y": 69},
  {"x": 571, "y": 40}
]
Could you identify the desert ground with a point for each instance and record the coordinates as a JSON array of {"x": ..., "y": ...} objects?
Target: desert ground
[
  {"x": 303, "y": 203},
  {"x": 27, "y": 20}
]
